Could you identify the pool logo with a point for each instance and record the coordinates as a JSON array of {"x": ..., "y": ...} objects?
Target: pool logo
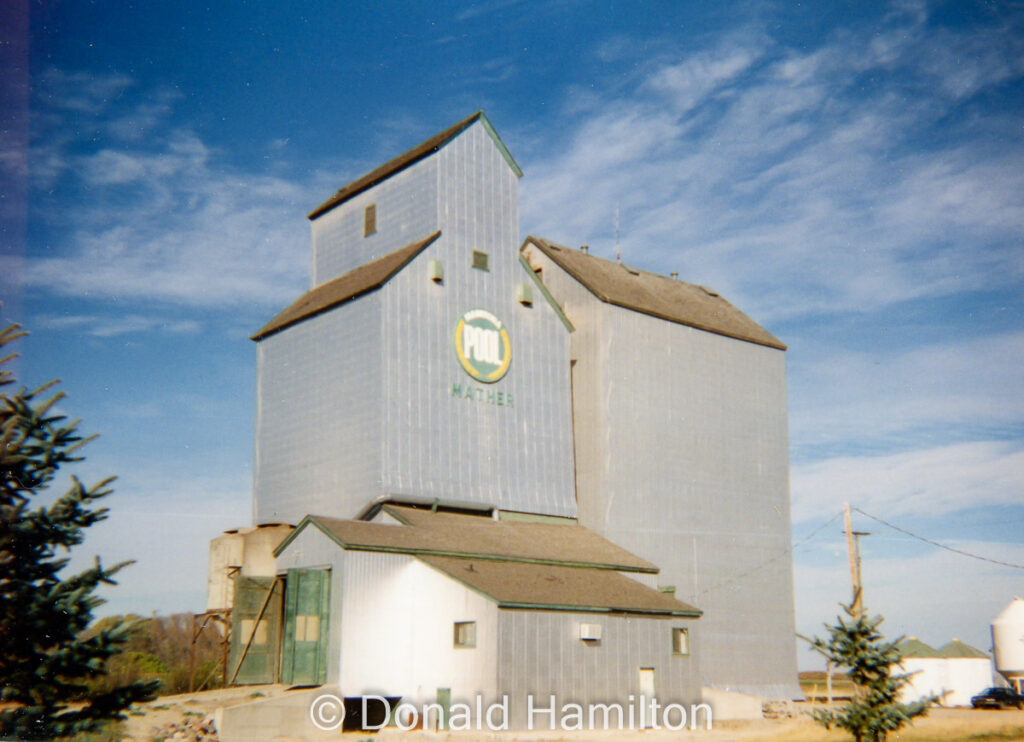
[{"x": 482, "y": 345}]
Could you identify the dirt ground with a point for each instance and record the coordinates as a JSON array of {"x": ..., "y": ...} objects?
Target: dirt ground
[{"x": 941, "y": 725}]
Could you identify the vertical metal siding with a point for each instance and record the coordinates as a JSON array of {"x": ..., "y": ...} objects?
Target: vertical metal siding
[
  {"x": 540, "y": 653},
  {"x": 406, "y": 212},
  {"x": 318, "y": 415},
  {"x": 682, "y": 446},
  {"x": 399, "y": 617},
  {"x": 435, "y": 445}
]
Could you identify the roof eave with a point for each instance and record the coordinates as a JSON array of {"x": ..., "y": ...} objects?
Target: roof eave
[
  {"x": 545, "y": 248},
  {"x": 411, "y": 157}
]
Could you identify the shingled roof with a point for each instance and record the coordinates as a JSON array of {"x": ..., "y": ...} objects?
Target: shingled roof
[
  {"x": 659, "y": 296},
  {"x": 517, "y": 564},
  {"x": 355, "y": 283},
  {"x": 410, "y": 158},
  {"x": 458, "y": 534},
  {"x": 552, "y": 587}
]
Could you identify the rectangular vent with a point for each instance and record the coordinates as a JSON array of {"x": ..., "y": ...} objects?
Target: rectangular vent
[
  {"x": 436, "y": 271},
  {"x": 481, "y": 261},
  {"x": 370, "y": 220}
]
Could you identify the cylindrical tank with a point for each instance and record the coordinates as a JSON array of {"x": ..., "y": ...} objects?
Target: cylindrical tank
[{"x": 1008, "y": 643}]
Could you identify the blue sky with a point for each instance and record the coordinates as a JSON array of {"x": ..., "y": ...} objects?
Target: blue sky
[{"x": 852, "y": 177}]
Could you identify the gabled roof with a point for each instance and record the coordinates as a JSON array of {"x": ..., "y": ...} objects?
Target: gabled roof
[
  {"x": 958, "y": 649},
  {"x": 552, "y": 587},
  {"x": 659, "y": 296},
  {"x": 411, "y": 157},
  {"x": 914, "y": 647},
  {"x": 517, "y": 564},
  {"x": 355, "y": 283},
  {"x": 458, "y": 534}
]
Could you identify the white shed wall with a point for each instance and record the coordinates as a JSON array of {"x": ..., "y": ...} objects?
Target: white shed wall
[{"x": 399, "y": 617}]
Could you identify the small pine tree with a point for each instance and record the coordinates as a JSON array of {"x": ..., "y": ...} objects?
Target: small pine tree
[
  {"x": 875, "y": 710},
  {"x": 46, "y": 659}
]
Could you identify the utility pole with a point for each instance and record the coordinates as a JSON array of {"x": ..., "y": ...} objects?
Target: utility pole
[{"x": 853, "y": 549}]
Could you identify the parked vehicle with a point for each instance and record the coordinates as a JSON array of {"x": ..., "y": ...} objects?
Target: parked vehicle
[{"x": 998, "y": 698}]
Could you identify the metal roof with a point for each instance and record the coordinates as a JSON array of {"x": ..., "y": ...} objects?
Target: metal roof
[
  {"x": 914, "y": 647},
  {"x": 411, "y": 157},
  {"x": 458, "y": 534},
  {"x": 553, "y": 587},
  {"x": 355, "y": 283},
  {"x": 659, "y": 296},
  {"x": 958, "y": 649}
]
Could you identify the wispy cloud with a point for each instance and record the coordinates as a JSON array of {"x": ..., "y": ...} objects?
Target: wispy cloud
[
  {"x": 784, "y": 178},
  {"x": 938, "y": 481},
  {"x": 960, "y": 389},
  {"x": 111, "y": 326},
  {"x": 160, "y": 218}
]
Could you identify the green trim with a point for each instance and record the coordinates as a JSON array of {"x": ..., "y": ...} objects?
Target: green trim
[
  {"x": 491, "y": 557},
  {"x": 599, "y": 609},
  {"x": 292, "y": 536},
  {"x": 436, "y": 552},
  {"x": 544, "y": 292},
  {"x": 489, "y": 128},
  {"x": 517, "y": 517},
  {"x": 557, "y": 607},
  {"x": 397, "y": 516}
]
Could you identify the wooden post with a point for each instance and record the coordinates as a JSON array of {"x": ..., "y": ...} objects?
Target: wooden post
[{"x": 854, "y": 576}]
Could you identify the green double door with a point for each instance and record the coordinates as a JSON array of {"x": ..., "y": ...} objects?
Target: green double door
[{"x": 307, "y": 602}]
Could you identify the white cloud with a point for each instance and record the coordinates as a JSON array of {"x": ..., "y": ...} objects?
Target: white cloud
[
  {"x": 938, "y": 481},
  {"x": 963, "y": 388},
  {"x": 111, "y": 326},
  {"x": 783, "y": 177},
  {"x": 188, "y": 232}
]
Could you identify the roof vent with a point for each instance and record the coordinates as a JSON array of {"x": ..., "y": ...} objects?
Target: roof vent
[
  {"x": 675, "y": 275},
  {"x": 585, "y": 249}
]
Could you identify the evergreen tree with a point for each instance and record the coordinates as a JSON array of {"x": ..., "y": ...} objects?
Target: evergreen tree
[
  {"x": 875, "y": 710},
  {"x": 46, "y": 660}
]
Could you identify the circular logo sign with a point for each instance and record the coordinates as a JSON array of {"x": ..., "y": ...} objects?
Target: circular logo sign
[{"x": 482, "y": 345}]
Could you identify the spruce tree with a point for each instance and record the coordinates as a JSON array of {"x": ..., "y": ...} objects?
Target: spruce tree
[
  {"x": 47, "y": 662},
  {"x": 856, "y": 643}
]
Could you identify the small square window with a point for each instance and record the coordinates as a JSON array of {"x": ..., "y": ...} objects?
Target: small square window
[
  {"x": 681, "y": 641},
  {"x": 480, "y": 260},
  {"x": 465, "y": 634},
  {"x": 257, "y": 631},
  {"x": 370, "y": 220}
]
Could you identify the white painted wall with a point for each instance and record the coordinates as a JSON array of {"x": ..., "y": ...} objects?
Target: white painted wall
[
  {"x": 954, "y": 680},
  {"x": 398, "y": 619}
]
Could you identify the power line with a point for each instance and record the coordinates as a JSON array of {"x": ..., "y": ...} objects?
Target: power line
[
  {"x": 936, "y": 543},
  {"x": 775, "y": 558}
]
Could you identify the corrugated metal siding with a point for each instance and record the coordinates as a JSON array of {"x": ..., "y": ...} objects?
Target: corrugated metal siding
[
  {"x": 406, "y": 211},
  {"x": 540, "y": 653},
  {"x": 682, "y": 446},
  {"x": 437, "y": 445},
  {"x": 312, "y": 549},
  {"x": 318, "y": 420},
  {"x": 399, "y": 619}
]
